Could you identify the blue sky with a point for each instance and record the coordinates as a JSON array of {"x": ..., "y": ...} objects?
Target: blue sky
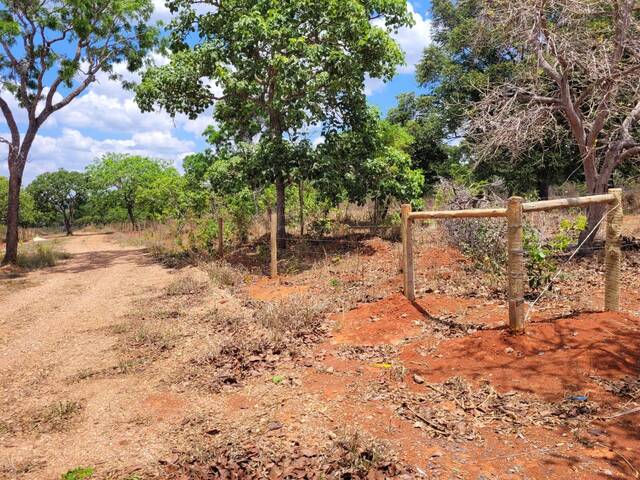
[{"x": 106, "y": 119}]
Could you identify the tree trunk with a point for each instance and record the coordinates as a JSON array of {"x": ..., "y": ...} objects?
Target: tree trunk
[
  {"x": 13, "y": 215},
  {"x": 280, "y": 210},
  {"x": 594, "y": 213},
  {"x": 544, "y": 187},
  {"x": 67, "y": 224},
  {"x": 132, "y": 218},
  {"x": 301, "y": 200}
]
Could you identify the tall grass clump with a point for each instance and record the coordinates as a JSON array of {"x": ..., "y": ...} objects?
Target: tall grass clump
[{"x": 41, "y": 255}]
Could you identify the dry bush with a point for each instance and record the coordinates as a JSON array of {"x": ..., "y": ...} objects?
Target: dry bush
[
  {"x": 223, "y": 274},
  {"x": 483, "y": 240},
  {"x": 186, "y": 285},
  {"x": 294, "y": 318},
  {"x": 258, "y": 339},
  {"x": 40, "y": 255}
]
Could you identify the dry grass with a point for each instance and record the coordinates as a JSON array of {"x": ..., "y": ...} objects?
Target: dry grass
[
  {"x": 152, "y": 338},
  {"x": 123, "y": 367},
  {"x": 223, "y": 274},
  {"x": 40, "y": 255},
  {"x": 186, "y": 285},
  {"x": 256, "y": 339},
  {"x": 56, "y": 417}
]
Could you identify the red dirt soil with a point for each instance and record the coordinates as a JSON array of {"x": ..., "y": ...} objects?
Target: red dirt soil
[{"x": 554, "y": 359}]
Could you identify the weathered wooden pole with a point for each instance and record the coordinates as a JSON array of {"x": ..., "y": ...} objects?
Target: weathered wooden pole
[
  {"x": 220, "y": 237},
  {"x": 613, "y": 253},
  {"x": 407, "y": 253},
  {"x": 515, "y": 266},
  {"x": 274, "y": 244}
]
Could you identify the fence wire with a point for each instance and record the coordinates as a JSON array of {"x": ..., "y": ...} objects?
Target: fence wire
[{"x": 571, "y": 257}]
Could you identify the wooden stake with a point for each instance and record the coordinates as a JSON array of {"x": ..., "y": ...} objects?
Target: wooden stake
[
  {"x": 613, "y": 253},
  {"x": 274, "y": 244},
  {"x": 407, "y": 253},
  {"x": 515, "y": 266},
  {"x": 221, "y": 237}
]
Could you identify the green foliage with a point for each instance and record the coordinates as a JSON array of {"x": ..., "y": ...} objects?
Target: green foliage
[
  {"x": 80, "y": 473},
  {"x": 371, "y": 163},
  {"x": 541, "y": 258},
  {"x": 60, "y": 193},
  {"x": 425, "y": 123},
  {"x": 142, "y": 187},
  {"x": 28, "y": 213},
  {"x": 118, "y": 27},
  {"x": 282, "y": 67},
  {"x": 456, "y": 69}
]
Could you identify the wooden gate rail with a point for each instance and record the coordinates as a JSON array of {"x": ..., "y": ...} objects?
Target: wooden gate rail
[{"x": 514, "y": 212}]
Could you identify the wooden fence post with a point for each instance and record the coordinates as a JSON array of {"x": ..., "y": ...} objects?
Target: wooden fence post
[
  {"x": 515, "y": 266},
  {"x": 221, "y": 237},
  {"x": 613, "y": 253},
  {"x": 407, "y": 254},
  {"x": 274, "y": 244}
]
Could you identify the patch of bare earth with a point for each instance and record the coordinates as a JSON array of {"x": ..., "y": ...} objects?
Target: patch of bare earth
[{"x": 70, "y": 397}]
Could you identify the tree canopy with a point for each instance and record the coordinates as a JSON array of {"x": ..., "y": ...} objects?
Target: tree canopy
[
  {"x": 274, "y": 69},
  {"x": 577, "y": 77},
  {"x": 136, "y": 184},
  {"x": 62, "y": 193}
]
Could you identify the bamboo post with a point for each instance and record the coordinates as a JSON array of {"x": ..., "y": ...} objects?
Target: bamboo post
[
  {"x": 407, "y": 253},
  {"x": 274, "y": 244},
  {"x": 220, "y": 237},
  {"x": 613, "y": 253},
  {"x": 515, "y": 265}
]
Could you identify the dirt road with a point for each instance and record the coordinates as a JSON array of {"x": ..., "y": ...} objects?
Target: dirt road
[{"x": 56, "y": 324}]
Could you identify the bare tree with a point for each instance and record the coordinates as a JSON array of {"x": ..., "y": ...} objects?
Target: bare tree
[{"x": 580, "y": 66}]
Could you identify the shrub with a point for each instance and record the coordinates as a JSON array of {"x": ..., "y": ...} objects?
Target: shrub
[
  {"x": 186, "y": 285},
  {"x": 540, "y": 257},
  {"x": 80, "y": 473},
  {"x": 483, "y": 240},
  {"x": 40, "y": 256},
  {"x": 223, "y": 274}
]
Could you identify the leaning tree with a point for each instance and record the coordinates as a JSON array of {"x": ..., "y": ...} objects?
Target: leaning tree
[
  {"x": 280, "y": 67},
  {"x": 50, "y": 52},
  {"x": 580, "y": 61}
]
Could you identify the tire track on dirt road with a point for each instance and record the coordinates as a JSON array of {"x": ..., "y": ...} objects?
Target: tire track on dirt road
[{"x": 58, "y": 325}]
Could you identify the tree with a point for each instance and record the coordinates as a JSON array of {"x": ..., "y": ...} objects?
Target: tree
[
  {"x": 458, "y": 69},
  {"x": 61, "y": 192},
  {"x": 137, "y": 184},
  {"x": 283, "y": 66},
  {"x": 28, "y": 214},
  {"x": 579, "y": 75},
  {"x": 373, "y": 165},
  {"x": 429, "y": 151},
  {"x": 51, "y": 51}
]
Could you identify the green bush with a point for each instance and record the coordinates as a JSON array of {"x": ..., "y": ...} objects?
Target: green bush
[{"x": 540, "y": 257}]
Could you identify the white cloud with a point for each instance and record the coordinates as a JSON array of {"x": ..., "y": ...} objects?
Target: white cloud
[
  {"x": 412, "y": 40},
  {"x": 161, "y": 12},
  {"x": 73, "y": 150},
  {"x": 373, "y": 85}
]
